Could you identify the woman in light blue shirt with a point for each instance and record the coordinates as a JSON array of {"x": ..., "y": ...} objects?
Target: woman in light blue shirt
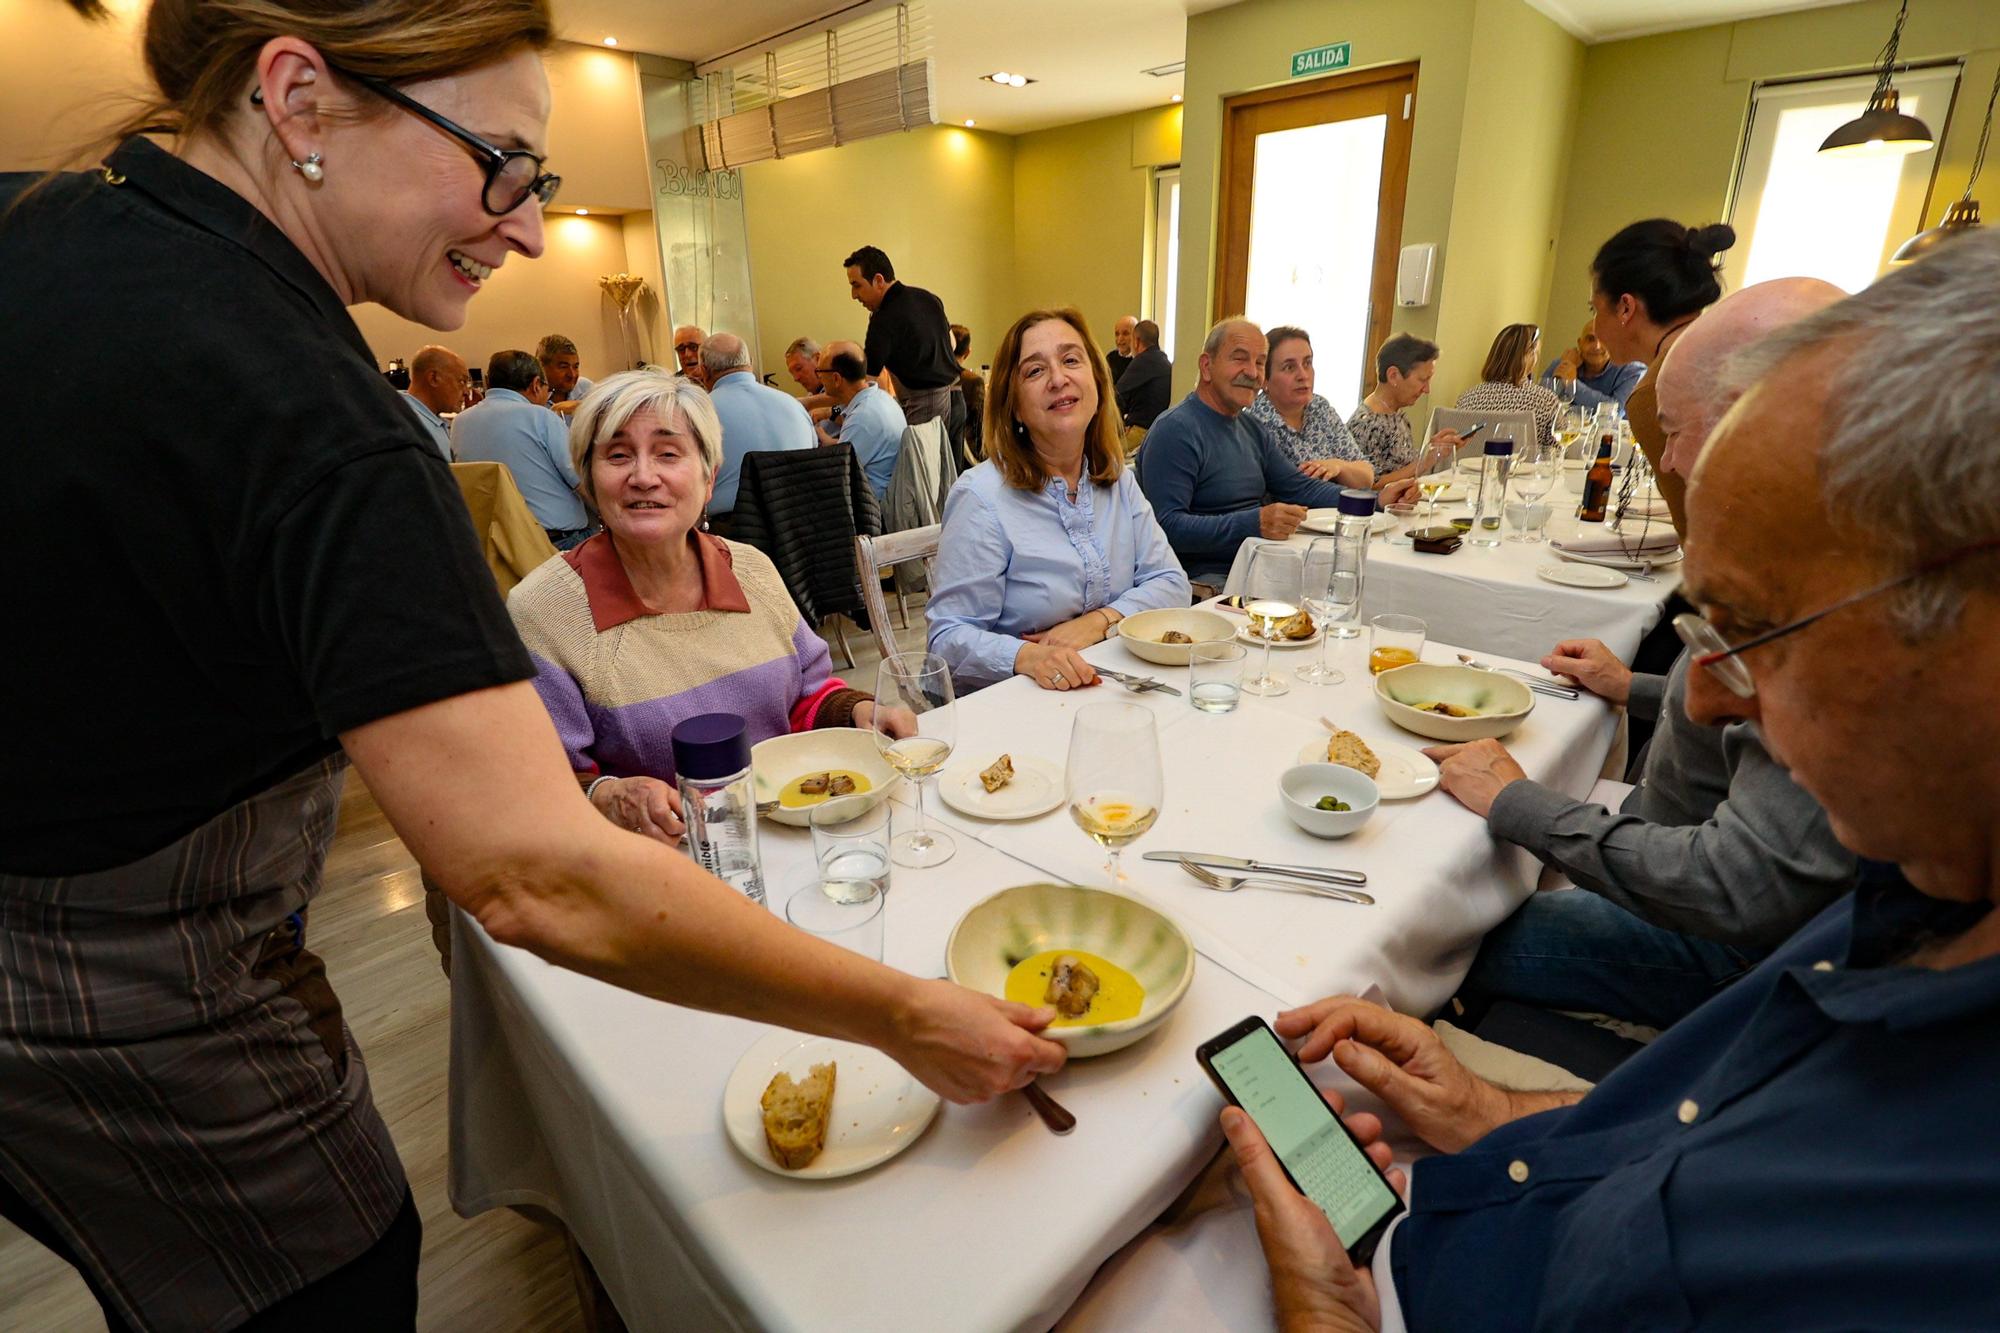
[{"x": 1050, "y": 542}]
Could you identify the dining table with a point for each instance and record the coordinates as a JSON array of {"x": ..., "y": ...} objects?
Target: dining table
[
  {"x": 605, "y": 1108},
  {"x": 1496, "y": 599}
]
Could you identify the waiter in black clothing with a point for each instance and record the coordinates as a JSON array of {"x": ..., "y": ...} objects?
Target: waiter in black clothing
[{"x": 909, "y": 336}]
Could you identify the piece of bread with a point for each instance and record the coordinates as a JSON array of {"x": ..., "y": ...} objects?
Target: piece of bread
[
  {"x": 1344, "y": 747},
  {"x": 1072, "y": 986},
  {"x": 997, "y": 774},
  {"x": 1175, "y": 636},
  {"x": 796, "y": 1115}
]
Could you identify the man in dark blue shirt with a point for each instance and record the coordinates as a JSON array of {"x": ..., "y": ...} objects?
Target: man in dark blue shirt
[
  {"x": 1214, "y": 478},
  {"x": 1813, "y": 1148}
]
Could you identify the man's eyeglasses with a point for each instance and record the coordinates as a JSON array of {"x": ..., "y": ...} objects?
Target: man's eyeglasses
[
  {"x": 513, "y": 175},
  {"x": 1715, "y": 654}
]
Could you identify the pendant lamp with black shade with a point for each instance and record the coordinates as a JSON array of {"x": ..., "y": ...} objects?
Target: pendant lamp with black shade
[
  {"x": 1882, "y": 130},
  {"x": 1963, "y": 214}
]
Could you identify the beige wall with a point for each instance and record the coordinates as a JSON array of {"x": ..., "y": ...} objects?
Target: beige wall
[
  {"x": 1080, "y": 213},
  {"x": 61, "y": 81},
  {"x": 938, "y": 201},
  {"x": 1678, "y": 103},
  {"x": 1506, "y": 196}
]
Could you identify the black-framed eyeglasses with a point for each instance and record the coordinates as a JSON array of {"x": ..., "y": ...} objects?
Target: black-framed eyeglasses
[
  {"x": 1715, "y": 653},
  {"x": 513, "y": 175}
]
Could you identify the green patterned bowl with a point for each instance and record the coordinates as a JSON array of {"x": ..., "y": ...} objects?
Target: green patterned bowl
[{"x": 1020, "y": 922}]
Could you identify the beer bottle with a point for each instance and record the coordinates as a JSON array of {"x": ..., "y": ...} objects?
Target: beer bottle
[{"x": 1597, "y": 485}]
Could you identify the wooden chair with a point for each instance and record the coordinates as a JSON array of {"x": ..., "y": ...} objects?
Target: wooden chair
[{"x": 872, "y": 555}]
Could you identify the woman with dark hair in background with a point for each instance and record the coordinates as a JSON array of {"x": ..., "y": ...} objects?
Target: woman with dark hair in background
[
  {"x": 275, "y": 574},
  {"x": 972, "y": 385},
  {"x": 1507, "y": 380},
  {"x": 1646, "y": 285}
]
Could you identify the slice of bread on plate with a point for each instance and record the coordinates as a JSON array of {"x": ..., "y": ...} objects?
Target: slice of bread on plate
[
  {"x": 1344, "y": 747},
  {"x": 796, "y": 1115}
]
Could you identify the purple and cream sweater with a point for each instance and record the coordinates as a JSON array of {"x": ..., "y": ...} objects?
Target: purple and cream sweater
[{"x": 618, "y": 678}]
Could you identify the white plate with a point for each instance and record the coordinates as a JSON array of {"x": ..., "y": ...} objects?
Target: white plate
[
  {"x": 1326, "y": 522},
  {"x": 1405, "y": 772},
  {"x": 1037, "y": 788},
  {"x": 878, "y": 1108},
  {"x": 1619, "y": 560},
  {"x": 1244, "y": 635},
  {"x": 1583, "y": 576}
]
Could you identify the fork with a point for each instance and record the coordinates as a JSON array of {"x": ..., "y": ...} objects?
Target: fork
[
  {"x": 1539, "y": 684},
  {"x": 1231, "y": 883},
  {"x": 1138, "y": 684}
]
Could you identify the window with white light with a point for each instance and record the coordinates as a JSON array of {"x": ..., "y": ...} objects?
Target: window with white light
[
  {"x": 1799, "y": 212},
  {"x": 1163, "y": 300}
]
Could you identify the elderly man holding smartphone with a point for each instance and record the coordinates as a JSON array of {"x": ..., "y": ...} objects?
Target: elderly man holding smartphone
[{"x": 1810, "y": 1149}]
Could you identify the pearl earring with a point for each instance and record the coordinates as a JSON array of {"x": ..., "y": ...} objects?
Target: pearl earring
[{"x": 311, "y": 168}]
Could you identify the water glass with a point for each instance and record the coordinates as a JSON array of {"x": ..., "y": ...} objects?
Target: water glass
[
  {"x": 851, "y": 849},
  {"x": 1394, "y": 641},
  {"x": 856, "y": 926},
  {"x": 1527, "y": 520},
  {"x": 1215, "y": 675}
]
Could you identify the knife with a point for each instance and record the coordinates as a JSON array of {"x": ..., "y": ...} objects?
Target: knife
[{"x": 1262, "y": 867}]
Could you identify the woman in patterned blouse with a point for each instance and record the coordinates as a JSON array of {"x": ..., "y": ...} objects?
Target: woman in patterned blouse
[
  {"x": 1404, "y": 365},
  {"x": 1509, "y": 380},
  {"x": 1302, "y": 424}
]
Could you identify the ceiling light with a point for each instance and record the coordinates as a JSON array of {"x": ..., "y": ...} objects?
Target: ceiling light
[
  {"x": 583, "y": 212},
  {"x": 1177, "y": 97},
  {"x": 1000, "y": 77},
  {"x": 611, "y": 41},
  {"x": 1005, "y": 80},
  {"x": 1017, "y": 80},
  {"x": 1882, "y": 130},
  {"x": 969, "y": 124},
  {"x": 1963, "y": 214}
]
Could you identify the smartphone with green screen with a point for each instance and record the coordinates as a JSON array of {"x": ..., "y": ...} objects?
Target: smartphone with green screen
[{"x": 1319, "y": 1153}]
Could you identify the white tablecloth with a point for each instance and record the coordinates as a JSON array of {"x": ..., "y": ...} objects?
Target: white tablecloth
[
  {"x": 605, "y": 1108},
  {"x": 1488, "y": 599},
  {"x": 1439, "y": 879}
]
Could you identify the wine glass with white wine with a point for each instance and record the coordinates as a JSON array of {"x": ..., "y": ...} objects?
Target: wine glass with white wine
[
  {"x": 1435, "y": 468},
  {"x": 1113, "y": 778},
  {"x": 1272, "y": 588},
  {"x": 919, "y": 683}
]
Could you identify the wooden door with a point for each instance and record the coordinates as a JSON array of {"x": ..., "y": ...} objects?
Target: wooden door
[{"x": 1349, "y": 100}]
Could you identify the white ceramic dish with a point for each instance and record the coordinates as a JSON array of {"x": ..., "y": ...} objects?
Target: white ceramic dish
[
  {"x": 1619, "y": 560},
  {"x": 1245, "y": 634},
  {"x": 1300, "y": 788},
  {"x": 878, "y": 1108},
  {"x": 1582, "y": 576},
  {"x": 1037, "y": 788},
  {"x": 1142, "y": 632},
  {"x": 1021, "y": 922},
  {"x": 1503, "y": 703},
  {"x": 1405, "y": 772},
  {"x": 780, "y": 760},
  {"x": 1326, "y": 522}
]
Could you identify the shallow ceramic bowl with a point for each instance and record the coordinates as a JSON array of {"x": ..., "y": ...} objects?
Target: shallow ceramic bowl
[
  {"x": 1300, "y": 788},
  {"x": 1142, "y": 632},
  {"x": 1501, "y": 702},
  {"x": 778, "y": 761},
  {"x": 1021, "y": 922}
]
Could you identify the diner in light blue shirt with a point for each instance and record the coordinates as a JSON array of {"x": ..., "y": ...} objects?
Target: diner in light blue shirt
[
  {"x": 533, "y": 442},
  {"x": 1015, "y": 562},
  {"x": 755, "y": 417},
  {"x": 433, "y": 425},
  {"x": 873, "y": 426}
]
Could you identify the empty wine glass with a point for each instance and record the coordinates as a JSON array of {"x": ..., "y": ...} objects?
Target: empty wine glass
[
  {"x": 1332, "y": 595},
  {"x": 1113, "y": 779},
  {"x": 918, "y": 683},
  {"x": 1534, "y": 475},
  {"x": 1271, "y": 596}
]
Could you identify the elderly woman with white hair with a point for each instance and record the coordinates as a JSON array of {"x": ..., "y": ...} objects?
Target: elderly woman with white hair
[{"x": 653, "y": 621}]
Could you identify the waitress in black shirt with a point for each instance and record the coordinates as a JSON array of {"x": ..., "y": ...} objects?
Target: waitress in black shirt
[{"x": 218, "y": 596}]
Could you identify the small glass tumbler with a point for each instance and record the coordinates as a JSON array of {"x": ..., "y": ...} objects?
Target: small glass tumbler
[
  {"x": 855, "y": 926},
  {"x": 850, "y": 841},
  {"x": 1215, "y": 675},
  {"x": 1394, "y": 641}
]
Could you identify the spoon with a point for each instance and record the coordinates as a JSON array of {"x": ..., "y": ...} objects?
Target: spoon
[{"x": 1053, "y": 1113}]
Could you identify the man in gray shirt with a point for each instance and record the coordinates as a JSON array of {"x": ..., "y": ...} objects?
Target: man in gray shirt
[{"x": 1718, "y": 855}]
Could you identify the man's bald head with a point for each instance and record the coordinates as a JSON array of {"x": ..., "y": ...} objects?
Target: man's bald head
[
  {"x": 724, "y": 354},
  {"x": 1693, "y": 388},
  {"x": 438, "y": 378},
  {"x": 843, "y": 370}
]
